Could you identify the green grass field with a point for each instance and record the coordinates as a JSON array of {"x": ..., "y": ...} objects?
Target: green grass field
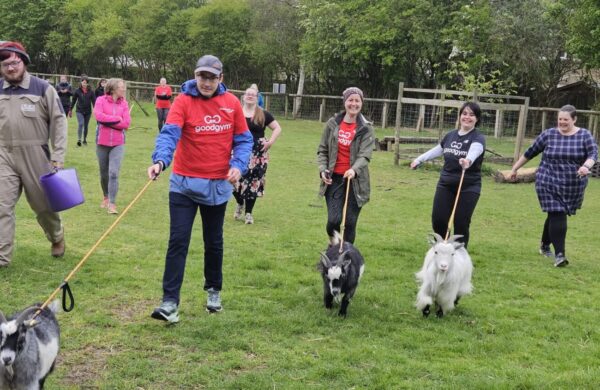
[{"x": 527, "y": 325}]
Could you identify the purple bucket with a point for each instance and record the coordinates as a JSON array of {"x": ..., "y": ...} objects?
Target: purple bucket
[{"x": 62, "y": 189}]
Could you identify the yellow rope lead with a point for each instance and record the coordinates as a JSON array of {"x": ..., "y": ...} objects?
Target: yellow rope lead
[{"x": 89, "y": 253}]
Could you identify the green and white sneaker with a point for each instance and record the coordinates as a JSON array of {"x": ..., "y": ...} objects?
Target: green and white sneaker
[
  {"x": 213, "y": 302},
  {"x": 167, "y": 311}
]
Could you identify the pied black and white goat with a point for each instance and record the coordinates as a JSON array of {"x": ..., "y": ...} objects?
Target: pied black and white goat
[
  {"x": 28, "y": 348},
  {"x": 445, "y": 276},
  {"x": 341, "y": 273}
]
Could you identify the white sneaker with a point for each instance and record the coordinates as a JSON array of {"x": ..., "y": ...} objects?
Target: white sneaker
[
  {"x": 237, "y": 215},
  {"x": 213, "y": 301},
  {"x": 249, "y": 219}
]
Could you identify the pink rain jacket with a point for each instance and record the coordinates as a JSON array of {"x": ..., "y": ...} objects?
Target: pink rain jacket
[{"x": 113, "y": 119}]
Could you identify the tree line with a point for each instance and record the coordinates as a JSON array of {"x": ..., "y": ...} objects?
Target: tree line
[{"x": 494, "y": 46}]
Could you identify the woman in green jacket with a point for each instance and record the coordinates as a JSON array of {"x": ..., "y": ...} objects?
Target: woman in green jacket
[{"x": 344, "y": 154}]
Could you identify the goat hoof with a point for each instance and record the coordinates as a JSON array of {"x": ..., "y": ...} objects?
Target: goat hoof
[
  {"x": 426, "y": 311},
  {"x": 342, "y": 314},
  {"x": 439, "y": 313},
  {"x": 456, "y": 301}
]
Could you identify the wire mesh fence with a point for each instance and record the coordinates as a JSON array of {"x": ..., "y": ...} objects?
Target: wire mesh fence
[{"x": 507, "y": 121}]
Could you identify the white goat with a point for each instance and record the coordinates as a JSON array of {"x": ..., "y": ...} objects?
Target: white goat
[{"x": 445, "y": 276}]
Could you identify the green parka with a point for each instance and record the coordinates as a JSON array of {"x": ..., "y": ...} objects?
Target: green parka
[{"x": 361, "y": 149}]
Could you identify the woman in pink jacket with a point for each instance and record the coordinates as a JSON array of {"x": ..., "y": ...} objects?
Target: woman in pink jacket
[{"x": 112, "y": 114}]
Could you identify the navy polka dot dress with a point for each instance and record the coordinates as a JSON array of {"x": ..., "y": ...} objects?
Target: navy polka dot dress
[{"x": 558, "y": 187}]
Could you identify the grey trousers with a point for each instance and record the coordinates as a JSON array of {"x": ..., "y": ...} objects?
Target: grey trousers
[
  {"x": 20, "y": 170},
  {"x": 109, "y": 161}
]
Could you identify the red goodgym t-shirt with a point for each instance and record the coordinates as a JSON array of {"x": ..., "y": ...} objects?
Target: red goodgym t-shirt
[
  {"x": 160, "y": 90},
  {"x": 207, "y": 130},
  {"x": 345, "y": 136}
]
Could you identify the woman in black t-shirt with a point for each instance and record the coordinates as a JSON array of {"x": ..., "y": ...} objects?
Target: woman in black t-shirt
[
  {"x": 462, "y": 148},
  {"x": 252, "y": 184}
]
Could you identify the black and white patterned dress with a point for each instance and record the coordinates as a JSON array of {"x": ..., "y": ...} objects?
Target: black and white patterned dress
[
  {"x": 252, "y": 184},
  {"x": 558, "y": 187}
]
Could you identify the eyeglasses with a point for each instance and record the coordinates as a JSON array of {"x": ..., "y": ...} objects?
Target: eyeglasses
[
  {"x": 13, "y": 64},
  {"x": 202, "y": 77}
]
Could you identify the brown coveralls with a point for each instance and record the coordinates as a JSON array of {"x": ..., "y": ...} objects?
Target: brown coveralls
[{"x": 31, "y": 117}]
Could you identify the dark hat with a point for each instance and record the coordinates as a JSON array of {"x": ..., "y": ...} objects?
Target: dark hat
[
  {"x": 15, "y": 47},
  {"x": 210, "y": 64}
]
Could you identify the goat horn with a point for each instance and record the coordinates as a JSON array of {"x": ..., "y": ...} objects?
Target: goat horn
[
  {"x": 2, "y": 318},
  {"x": 437, "y": 237},
  {"x": 26, "y": 313},
  {"x": 325, "y": 260}
]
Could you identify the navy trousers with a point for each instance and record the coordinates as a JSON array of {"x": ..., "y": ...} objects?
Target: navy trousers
[{"x": 183, "y": 211}]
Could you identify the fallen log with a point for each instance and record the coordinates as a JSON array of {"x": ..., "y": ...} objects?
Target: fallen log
[{"x": 524, "y": 175}]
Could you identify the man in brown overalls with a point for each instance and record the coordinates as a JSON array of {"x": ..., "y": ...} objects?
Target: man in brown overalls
[{"x": 33, "y": 140}]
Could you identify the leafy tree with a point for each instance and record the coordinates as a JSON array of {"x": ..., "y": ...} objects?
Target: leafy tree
[{"x": 584, "y": 25}]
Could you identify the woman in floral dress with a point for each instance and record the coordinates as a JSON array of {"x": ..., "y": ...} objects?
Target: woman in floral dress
[{"x": 252, "y": 184}]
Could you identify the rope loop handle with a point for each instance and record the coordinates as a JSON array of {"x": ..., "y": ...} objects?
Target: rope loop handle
[{"x": 66, "y": 289}]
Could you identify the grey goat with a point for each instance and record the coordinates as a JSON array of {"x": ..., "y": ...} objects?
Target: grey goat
[
  {"x": 28, "y": 348},
  {"x": 341, "y": 273}
]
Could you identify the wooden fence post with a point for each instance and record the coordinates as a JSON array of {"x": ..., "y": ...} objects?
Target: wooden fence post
[
  {"x": 267, "y": 102},
  {"x": 442, "y": 112},
  {"x": 285, "y": 106},
  {"x": 421, "y": 119},
  {"x": 398, "y": 124},
  {"x": 521, "y": 129},
  {"x": 499, "y": 124},
  {"x": 544, "y": 118},
  {"x": 384, "y": 114},
  {"x": 322, "y": 111}
]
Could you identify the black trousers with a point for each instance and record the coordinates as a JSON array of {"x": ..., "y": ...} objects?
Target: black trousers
[
  {"x": 443, "y": 202},
  {"x": 555, "y": 231},
  {"x": 161, "y": 113},
  {"x": 335, "y": 197},
  {"x": 183, "y": 211}
]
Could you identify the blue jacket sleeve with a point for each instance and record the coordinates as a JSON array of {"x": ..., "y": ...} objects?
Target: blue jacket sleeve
[
  {"x": 242, "y": 149},
  {"x": 166, "y": 142}
]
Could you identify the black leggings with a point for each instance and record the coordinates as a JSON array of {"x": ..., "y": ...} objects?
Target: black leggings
[
  {"x": 443, "y": 202},
  {"x": 240, "y": 200},
  {"x": 555, "y": 231},
  {"x": 335, "y": 197}
]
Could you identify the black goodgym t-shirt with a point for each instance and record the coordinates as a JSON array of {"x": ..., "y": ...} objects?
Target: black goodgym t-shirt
[{"x": 455, "y": 147}]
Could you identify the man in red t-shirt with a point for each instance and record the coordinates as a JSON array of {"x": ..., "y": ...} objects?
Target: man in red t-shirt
[
  {"x": 207, "y": 138},
  {"x": 162, "y": 97}
]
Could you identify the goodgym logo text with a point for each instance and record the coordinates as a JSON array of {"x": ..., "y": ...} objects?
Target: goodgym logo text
[{"x": 212, "y": 123}]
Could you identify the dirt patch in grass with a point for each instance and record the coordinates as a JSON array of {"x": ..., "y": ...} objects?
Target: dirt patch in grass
[{"x": 86, "y": 366}]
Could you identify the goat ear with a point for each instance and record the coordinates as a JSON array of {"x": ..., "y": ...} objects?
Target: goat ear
[{"x": 325, "y": 260}]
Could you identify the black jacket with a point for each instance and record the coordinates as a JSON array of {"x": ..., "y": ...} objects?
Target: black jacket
[{"x": 84, "y": 100}]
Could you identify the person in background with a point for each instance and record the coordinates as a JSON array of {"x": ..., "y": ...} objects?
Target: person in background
[
  {"x": 344, "y": 154},
  {"x": 260, "y": 100},
  {"x": 83, "y": 99},
  {"x": 33, "y": 142},
  {"x": 112, "y": 114},
  {"x": 100, "y": 90},
  {"x": 462, "y": 149},
  {"x": 568, "y": 154},
  {"x": 162, "y": 97},
  {"x": 252, "y": 184},
  {"x": 65, "y": 92},
  {"x": 207, "y": 138}
]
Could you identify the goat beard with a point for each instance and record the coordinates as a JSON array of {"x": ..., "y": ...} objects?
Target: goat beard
[{"x": 10, "y": 372}]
